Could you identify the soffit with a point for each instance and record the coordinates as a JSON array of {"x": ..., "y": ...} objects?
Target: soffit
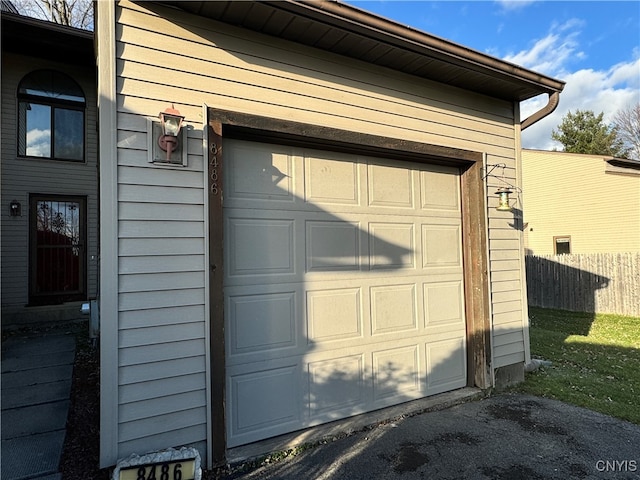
[{"x": 344, "y": 30}]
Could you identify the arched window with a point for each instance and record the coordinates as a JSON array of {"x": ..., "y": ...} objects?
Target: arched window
[{"x": 51, "y": 109}]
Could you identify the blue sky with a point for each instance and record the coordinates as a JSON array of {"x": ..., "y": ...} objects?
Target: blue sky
[{"x": 594, "y": 46}]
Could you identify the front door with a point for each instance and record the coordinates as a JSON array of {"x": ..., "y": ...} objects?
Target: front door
[{"x": 58, "y": 246}]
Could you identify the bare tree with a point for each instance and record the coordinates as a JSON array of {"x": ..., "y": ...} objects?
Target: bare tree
[
  {"x": 73, "y": 13},
  {"x": 627, "y": 123}
]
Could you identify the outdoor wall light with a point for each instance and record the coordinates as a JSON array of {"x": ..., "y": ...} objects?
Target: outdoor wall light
[
  {"x": 503, "y": 199},
  {"x": 171, "y": 123},
  {"x": 15, "y": 209}
]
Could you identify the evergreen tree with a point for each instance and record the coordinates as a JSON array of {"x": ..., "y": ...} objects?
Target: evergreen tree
[{"x": 584, "y": 132}]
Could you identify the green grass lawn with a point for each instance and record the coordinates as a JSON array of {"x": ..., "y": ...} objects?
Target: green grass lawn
[{"x": 596, "y": 360}]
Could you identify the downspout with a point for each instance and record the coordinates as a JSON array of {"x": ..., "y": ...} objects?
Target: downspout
[{"x": 551, "y": 105}]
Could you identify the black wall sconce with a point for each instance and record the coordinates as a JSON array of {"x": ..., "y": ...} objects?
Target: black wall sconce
[{"x": 15, "y": 209}]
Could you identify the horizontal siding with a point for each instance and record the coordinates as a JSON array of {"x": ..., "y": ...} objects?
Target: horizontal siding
[
  {"x": 22, "y": 176},
  {"x": 160, "y": 387},
  {"x": 158, "y": 370},
  {"x": 586, "y": 206},
  {"x": 162, "y": 233},
  {"x": 137, "y": 247},
  {"x": 176, "y": 420},
  {"x": 163, "y": 405},
  {"x": 504, "y": 359},
  {"x": 160, "y": 352},
  {"x": 162, "y": 316},
  {"x": 182, "y": 436},
  {"x": 159, "y": 334},
  {"x": 171, "y": 260},
  {"x": 166, "y": 281},
  {"x": 142, "y": 300}
]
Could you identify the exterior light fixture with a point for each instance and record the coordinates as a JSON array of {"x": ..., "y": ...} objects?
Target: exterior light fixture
[
  {"x": 15, "y": 209},
  {"x": 503, "y": 199},
  {"x": 171, "y": 123}
]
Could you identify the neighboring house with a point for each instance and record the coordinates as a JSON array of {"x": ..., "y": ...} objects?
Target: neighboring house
[
  {"x": 358, "y": 260},
  {"x": 49, "y": 170},
  {"x": 575, "y": 203}
]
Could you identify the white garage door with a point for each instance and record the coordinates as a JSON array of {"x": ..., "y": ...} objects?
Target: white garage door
[{"x": 343, "y": 286}]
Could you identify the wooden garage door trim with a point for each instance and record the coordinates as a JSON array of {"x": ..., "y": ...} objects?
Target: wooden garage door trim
[{"x": 251, "y": 127}]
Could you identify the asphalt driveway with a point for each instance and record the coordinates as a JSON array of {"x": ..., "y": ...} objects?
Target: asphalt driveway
[{"x": 506, "y": 436}]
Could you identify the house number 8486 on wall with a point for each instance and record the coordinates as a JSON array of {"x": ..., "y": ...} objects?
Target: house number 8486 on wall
[{"x": 183, "y": 470}]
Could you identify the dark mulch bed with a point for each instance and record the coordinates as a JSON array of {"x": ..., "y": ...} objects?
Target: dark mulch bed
[{"x": 80, "y": 457}]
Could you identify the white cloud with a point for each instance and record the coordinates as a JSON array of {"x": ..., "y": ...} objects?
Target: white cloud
[
  {"x": 599, "y": 91},
  {"x": 511, "y": 5},
  {"x": 554, "y": 52},
  {"x": 604, "y": 91},
  {"x": 39, "y": 142}
]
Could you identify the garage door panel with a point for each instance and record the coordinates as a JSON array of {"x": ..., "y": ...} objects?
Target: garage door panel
[
  {"x": 332, "y": 245},
  {"x": 447, "y": 365},
  {"x": 394, "y": 309},
  {"x": 332, "y": 181},
  {"x": 443, "y": 304},
  {"x": 391, "y": 245},
  {"x": 397, "y": 374},
  {"x": 260, "y": 246},
  {"x": 264, "y": 403},
  {"x": 390, "y": 186},
  {"x": 439, "y": 189},
  {"x": 262, "y": 322},
  {"x": 441, "y": 246},
  {"x": 336, "y": 387},
  {"x": 347, "y": 298},
  {"x": 260, "y": 174},
  {"x": 334, "y": 314}
]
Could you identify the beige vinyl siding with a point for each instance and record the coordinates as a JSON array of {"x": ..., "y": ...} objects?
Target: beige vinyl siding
[
  {"x": 22, "y": 176},
  {"x": 571, "y": 195},
  {"x": 189, "y": 61},
  {"x": 161, "y": 294}
]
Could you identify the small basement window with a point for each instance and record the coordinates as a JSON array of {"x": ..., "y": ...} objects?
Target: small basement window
[{"x": 562, "y": 245}]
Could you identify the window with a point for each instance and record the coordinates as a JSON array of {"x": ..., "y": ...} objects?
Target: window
[
  {"x": 562, "y": 245},
  {"x": 51, "y": 109}
]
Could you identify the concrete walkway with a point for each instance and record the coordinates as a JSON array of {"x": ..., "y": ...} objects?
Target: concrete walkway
[{"x": 36, "y": 386}]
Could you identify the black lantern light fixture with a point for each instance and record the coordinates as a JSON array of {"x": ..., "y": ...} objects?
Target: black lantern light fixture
[
  {"x": 15, "y": 209},
  {"x": 171, "y": 124}
]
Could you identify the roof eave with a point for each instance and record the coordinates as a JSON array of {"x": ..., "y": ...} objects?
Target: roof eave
[{"x": 449, "y": 62}]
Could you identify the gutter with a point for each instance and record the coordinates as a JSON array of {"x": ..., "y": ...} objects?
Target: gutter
[
  {"x": 440, "y": 47},
  {"x": 403, "y": 35},
  {"x": 551, "y": 105}
]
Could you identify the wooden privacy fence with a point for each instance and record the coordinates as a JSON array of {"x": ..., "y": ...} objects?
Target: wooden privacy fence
[{"x": 597, "y": 282}]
